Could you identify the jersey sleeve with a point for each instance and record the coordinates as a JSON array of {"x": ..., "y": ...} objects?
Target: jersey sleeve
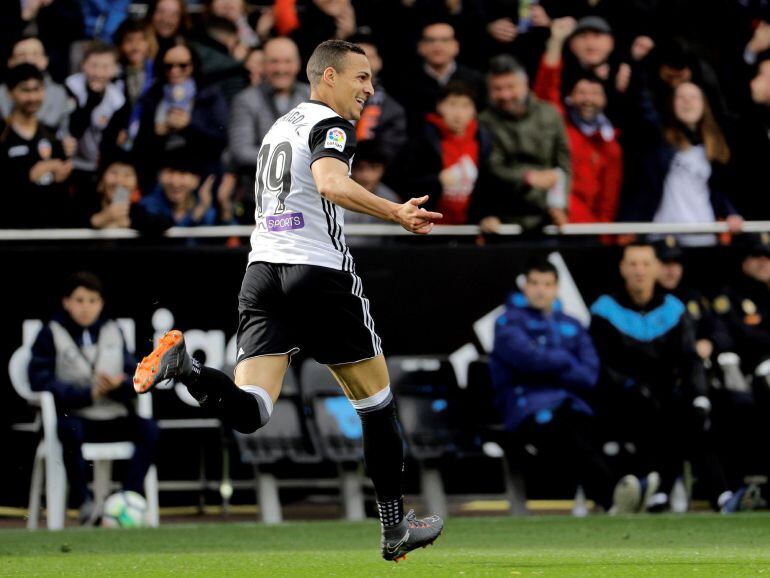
[{"x": 332, "y": 137}]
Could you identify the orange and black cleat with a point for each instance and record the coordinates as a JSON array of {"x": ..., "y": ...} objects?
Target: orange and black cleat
[{"x": 169, "y": 360}]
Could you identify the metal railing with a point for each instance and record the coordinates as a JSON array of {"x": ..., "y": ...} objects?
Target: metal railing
[{"x": 385, "y": 230}]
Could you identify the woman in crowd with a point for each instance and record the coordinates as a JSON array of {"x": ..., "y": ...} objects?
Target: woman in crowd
[
  {"x": 179, "y": 113},
  {"x": 683, "y": 175}
]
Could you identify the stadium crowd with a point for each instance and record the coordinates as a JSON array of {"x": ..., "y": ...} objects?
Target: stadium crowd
[{"x": 503, "y": 111}]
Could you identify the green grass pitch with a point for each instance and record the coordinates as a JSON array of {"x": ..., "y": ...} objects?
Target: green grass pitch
[{"x": 668, "y": 545}]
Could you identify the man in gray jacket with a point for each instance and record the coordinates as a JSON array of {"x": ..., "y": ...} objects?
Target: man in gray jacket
[{"x": 254, "y": 110}]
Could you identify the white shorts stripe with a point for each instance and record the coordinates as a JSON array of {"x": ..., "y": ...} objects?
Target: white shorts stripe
[{"x": 368, "y": 321}]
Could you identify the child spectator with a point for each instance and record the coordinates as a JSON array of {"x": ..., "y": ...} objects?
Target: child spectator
[
  {"x": 116, "y": 202},
  {"x": 180, "y": 195},
  {"x": 95, "y": 101},
  {"x": 446, "y": 161},
  {"x": 34, "y": 167},
  {"x": 81, "y": 357}
]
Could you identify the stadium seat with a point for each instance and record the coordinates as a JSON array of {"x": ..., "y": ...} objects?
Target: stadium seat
[
  {"x": 48, "y": 462},
  {"x": 479, "y": 402},
  {"x": 337, "y": 427},
  {"x": 284, "y": 437}
]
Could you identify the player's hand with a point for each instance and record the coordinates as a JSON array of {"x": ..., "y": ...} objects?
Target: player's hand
[{"x": 416, "y": 219}]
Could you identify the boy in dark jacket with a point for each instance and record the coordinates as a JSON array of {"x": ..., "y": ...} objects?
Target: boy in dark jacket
[{"x": 81, "y": 357}]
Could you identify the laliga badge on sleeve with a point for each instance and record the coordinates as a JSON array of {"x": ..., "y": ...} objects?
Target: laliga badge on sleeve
[{"x": 335, "y": 139}]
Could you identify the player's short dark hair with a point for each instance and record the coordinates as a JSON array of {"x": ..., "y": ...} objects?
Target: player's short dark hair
[
  {"x": 82, "y": 279},
  {"x": 505, "y": 64},
  {"x": 98, "y": 47},
  {"x": 456, "y": 88},
  {"x": 541, "y": 265},
  {"x": 22, "y": 73},
  {"x": 330, "y": 53}
]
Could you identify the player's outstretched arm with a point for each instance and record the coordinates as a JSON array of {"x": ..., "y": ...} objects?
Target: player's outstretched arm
[{"x": 331, "y": 178}]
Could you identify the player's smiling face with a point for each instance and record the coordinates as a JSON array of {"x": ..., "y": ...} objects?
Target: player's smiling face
[{"x": 353, "y": 86}]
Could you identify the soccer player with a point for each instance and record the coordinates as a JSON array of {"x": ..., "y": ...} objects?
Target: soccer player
[{"x": 300, "y": 289}]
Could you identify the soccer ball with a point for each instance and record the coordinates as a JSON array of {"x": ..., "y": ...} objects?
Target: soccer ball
[{"x": 125, "y": 510}]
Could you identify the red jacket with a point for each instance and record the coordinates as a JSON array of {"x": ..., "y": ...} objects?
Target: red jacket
[{"x": 597, "y": 165}]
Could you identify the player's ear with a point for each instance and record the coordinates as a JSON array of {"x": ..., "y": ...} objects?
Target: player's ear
[{"x": 330, "y": 75}]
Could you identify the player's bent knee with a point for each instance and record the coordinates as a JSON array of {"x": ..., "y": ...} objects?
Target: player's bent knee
[
  {"x": 373, "y": 403},
  {"x": 249, "y": 410}
]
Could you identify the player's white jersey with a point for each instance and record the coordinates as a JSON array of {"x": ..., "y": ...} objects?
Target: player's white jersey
[{"x": 294, "y": 223}]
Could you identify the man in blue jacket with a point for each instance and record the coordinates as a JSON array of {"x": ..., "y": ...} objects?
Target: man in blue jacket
[
  {"x": 544, "y": 367},
  {"x": 81, "y": 357}
]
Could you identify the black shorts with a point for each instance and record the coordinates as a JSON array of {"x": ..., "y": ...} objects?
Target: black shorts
[{"x": 321, "y": 311}]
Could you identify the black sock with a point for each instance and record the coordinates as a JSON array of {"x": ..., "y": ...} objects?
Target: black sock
[
  {"x": 384, "y": 459},
  {"x": 242, "y": 410}
]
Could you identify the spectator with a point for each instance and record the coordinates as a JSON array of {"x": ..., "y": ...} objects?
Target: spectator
[
  {"x": 683, "y": 171},
  {"x": 221, "y": 62},
  {"x": 95, "y": 102},
  {"x": 529, "y": 164},
  {"x": 116, "y": 202},
  {"x": 752, "y": 146},
  {"x": 544, "y": 368},
  {"x": 446, "y": 161},
  {"x": 255, "y": 65},
  {"x": 179, "y": 195},
  {"x": 137, "y": 50},
  {"x": 438, "y": 48},
  {"x": 383, "y": 119},
  {"x": 179, "y": 114},
  {"x": 321, "y": 20},
  {"x": 711, "y": 336},
  {"x": 32, "y": 159},
  {"x": 81, "y": 357},
  {"x": 516, "y": 27},
  {"x": 652, "y": 385},
  {"x": 743, "y": 403},
  {"x": 53, "y": 113},
  {"x": 103, "y": 17},
  {"x": 251, "y": 32},
  {"x": 170, "y": 22},
  {"x": 57, "y": 23},
  {"x": 368, "y": 170},
  {"x": 597, "y": 159},
  {"x": 745, "y": 306},
  {"x": 256, "y": 109}
]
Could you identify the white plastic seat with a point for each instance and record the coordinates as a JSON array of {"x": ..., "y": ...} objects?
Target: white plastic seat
[{"x": 49, "y": 463}]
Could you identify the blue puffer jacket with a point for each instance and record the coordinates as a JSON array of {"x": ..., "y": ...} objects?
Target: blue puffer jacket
[{"x": 540, "y": 363}]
